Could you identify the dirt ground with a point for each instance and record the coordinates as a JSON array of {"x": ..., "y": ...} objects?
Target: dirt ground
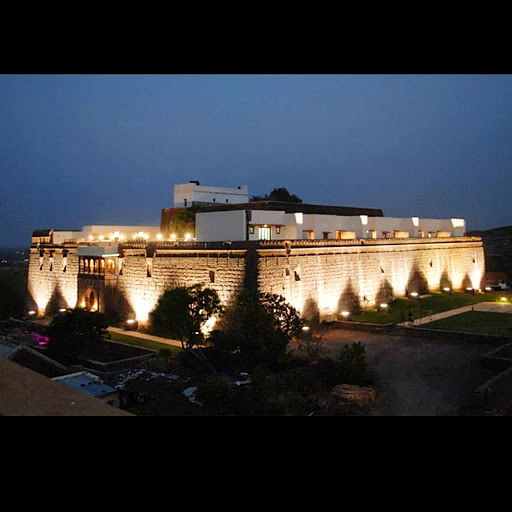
[{"x": 418, "y": 377}]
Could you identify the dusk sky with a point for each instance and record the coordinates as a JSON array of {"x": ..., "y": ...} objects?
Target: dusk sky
[{"x": 96, "y": 149}]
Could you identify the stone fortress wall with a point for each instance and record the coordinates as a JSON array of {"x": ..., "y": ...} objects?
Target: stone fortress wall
[{"x": 318, "y": 277}]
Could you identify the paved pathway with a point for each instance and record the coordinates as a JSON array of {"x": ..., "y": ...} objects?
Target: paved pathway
[{"x": 144, "y": 336}]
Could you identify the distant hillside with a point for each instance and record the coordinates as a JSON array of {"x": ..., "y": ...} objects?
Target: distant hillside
[{"x": 498, "y": 249}]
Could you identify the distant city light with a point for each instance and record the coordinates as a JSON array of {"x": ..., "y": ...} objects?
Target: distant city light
[{"x": 503, "y": 299}]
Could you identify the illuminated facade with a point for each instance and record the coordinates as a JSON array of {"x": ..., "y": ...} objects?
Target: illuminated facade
[{"x": 323, "y": 260}]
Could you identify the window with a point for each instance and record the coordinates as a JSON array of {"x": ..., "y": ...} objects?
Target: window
[
  {"x": 227, "y": 200},
  {"x": 326, "y": 234},
  {"x": 264, "y": 233},
  {"x": 212, "y": 276},
  {"x": 278, "y": 230},
  {"x": 297, "y": 276},
  {"x": 251, "y": 230}
]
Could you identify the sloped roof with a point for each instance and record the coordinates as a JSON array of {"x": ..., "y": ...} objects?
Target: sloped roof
[
  {"x": 296, "y": 208},
  {"x": 40, "y": 363}
]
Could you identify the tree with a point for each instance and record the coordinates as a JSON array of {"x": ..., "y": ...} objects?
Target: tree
[
  {"x": 258, "y": 329},
  {"x": 181, "y": 312},
  {"x": 285, "y": 316},
  {"x": 278, "y": 194},
  {"x": 182, "y": 223},
  {"x": 71, "y": 331}
]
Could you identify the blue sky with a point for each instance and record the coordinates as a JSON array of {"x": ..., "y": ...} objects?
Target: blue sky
[{"x": 93, "y": 149}]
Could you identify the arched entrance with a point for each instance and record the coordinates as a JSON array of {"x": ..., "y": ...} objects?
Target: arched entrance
[{"x": 91, "y": 300}]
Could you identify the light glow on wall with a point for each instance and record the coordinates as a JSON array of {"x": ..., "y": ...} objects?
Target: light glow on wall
[
  {"x": 415, "y": 221},
  {"x": 209, "y": 325},
  {"x": 299, "y": 218},
  {"x": 457, "y": 223},
  {"x": 364, "y": 219}
]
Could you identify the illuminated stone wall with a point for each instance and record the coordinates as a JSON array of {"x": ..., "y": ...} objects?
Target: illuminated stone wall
[
  {"x": 138, "y": 291},
  {"x": 49, "y": 287},
  {"x": 318, "y": 278},
  {"x": 326, "y": 280}
]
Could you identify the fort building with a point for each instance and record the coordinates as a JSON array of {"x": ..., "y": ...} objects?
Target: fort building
[{"x": 323, "y": 259}]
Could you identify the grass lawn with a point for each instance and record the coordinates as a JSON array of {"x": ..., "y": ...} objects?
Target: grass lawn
[
  {"x": 400, "y": 309},
  {"x": 139, "y": 342},
  {"x": 476, "y": 321}
]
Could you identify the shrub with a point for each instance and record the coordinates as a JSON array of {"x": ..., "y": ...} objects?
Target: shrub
[{"x": 348, "y": 368}]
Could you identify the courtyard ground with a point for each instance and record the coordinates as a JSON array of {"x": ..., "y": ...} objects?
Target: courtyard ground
[{"x": 417, "y": 376}]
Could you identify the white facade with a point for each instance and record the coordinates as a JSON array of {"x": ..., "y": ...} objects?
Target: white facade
[
  {"x": 192, "y": 194},
  {"x": 119, "y": 233},
  {"x": 234, "y": 225}
]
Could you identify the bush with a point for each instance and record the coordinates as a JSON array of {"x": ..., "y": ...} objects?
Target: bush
[{"x": 348, "y": 368}]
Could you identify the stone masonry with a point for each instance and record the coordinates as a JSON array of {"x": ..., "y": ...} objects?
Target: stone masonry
[{"x": 319, "y": 277}]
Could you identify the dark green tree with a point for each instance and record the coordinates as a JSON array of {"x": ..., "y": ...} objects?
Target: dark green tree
[
  {"x": 182, "y": 223},
  {"x": 181, "y": 312},
  {"x": 258, "y": 329},
  {"x": 72, "y": 331},
  {"x": 278, "y": 194}
]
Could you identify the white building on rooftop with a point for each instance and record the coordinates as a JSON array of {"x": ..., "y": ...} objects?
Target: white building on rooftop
[
  {"x": 195, "y": 194},
  {"x": 255, "y": 224}
]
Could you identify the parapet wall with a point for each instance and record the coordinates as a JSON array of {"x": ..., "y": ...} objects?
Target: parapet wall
[{"x": 319, "y": 277}]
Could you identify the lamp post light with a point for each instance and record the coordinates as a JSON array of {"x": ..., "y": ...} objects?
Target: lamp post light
[
  {"x": 345, "y": 315},
  {"x": 414, "y": 295},
  {"x": 383, "y": 307},
  {"x": 131, "y": 325},
  {"x": 470, "y": 290},
  {"x": 488, "y": 289},
  {"x": 447, "y": 289},
  {"x": 306, "y": 332}
]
